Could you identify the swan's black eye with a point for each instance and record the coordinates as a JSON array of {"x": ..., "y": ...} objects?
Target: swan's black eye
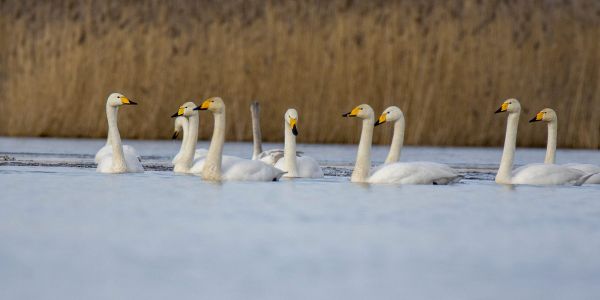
[{"x": 388, "y": 112}]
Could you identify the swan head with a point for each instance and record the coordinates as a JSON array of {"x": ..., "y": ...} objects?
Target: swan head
[
  {"x": 214, "y": 104},
  {"x": 363, "y": 111},
  {"x": 390, "y": 114},
  {"x": 291, "y": 118},
  {"x": 116, "y": 99},
  {"x": 546, "y": 115},
  {"x": 179, "y": 123},
  {"x": 187, "y": 109},
  {"x": 511, "y": 105}
]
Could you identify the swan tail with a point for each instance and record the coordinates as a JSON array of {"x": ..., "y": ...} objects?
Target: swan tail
[{"x": 584, "y": 178}]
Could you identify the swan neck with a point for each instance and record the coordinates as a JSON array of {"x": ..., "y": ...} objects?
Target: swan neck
[
  {"x": 289, "y": 152},
  {"x": 212, "y": 165},
  {"x": 508, "y": 154},
  {"x": 256, "y": 133},
  {"x": 551, "y": 144},
  {"x": 397, "y": 142},
  {"x": 363, "y": 157},
  {"x": 188, "y": 145},
  {"x": 118, "y": 157}
]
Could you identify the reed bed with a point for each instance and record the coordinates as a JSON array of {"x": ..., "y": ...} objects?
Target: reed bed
[{"x": 447, "y": 64}]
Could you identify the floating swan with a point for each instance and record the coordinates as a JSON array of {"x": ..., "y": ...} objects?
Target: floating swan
[
  {"x": 302, "y": 166},
  {"x": 214, "y": 167},
  {"x": 549, "y": 116},
  {"x": 537, "y": 174},
  {"x": 117, "y": 160},
  {"x": 182, "y": 127},
  {"x": 396, "y": 172},
  {"x": 270, "y": 156}
]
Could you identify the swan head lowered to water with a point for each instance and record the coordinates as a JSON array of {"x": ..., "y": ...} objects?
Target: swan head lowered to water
[
  {"x": 390, "y": 114},
  {"x": 546, "y": 115},
  {"x": 291, "y": 118},
  {"x": 116, "y": 99}
]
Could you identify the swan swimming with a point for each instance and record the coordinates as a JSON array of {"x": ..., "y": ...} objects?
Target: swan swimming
[
  {"x": 214, "y": 167},
  {"x": 117, "y": 160},
  {"x": 549, "y": 116},
  {"x": 294, "y": 166},
  {"x": 536, "y": 174},
  {"x": 271, "y": 156},
  {"x": 395, "y": 172},
  {"x": 182, "y": 127}
]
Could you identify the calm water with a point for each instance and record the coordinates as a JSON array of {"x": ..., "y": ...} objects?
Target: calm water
[{"x": 67, "y": 232}]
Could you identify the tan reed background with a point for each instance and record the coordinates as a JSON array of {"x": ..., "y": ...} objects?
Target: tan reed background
[{"x": 447, "y": 64}]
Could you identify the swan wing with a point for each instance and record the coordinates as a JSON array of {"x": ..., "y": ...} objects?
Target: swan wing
[
  {"x": 272, "y": 156},
  {"x": 414, "y": 173},
  {"x": 547, "y": 174},
  {"x": 132, "y": 163},
  {"x": 107, "y": 151},
  {"x": 250, "y": 170},
  {"x": 226, "y": 162},
  {"x": 308, "y": 167},
  {"x": 588, "y": 169}
]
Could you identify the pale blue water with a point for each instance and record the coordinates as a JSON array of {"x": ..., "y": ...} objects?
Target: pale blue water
[{"x": 67, "y": 232}]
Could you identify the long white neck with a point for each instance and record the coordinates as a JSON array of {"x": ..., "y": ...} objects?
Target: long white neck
[
  {"x": 114, "y": 138},
  {"x": 184, "y": 127},
  {"x": 212, "y": 164},
  {"x": 551, "y": 144},
  {"x": 289, "y": 152},
  {"x": 363, "y": 157},
  {"x": 508, "y": 154},
  {"x": 397, "y": 142},
  {"x": 256, "y": 134},
  {"x": 188, "y": 145}
]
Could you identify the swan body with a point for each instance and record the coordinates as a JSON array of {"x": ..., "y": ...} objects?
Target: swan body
[
  {"x": 535, "y": 174},
  {"x": 215, "y": 167},
  {"x": 182, "y": 126},
  {"x": 549, "y": 116},
  {"x": 393, "y": 172},
  {"x": 128, "y": 151},
  {"x": 115, "y": 160}
]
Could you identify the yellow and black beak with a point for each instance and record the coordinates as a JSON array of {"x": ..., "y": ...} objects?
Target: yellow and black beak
[
  {"x": 382, "y": 119},
  {"x": 502, "y": 108},
  {"x": 126, "y": 101},
  {"x": 175, "y": 134},
  {"x": 538, "y": 117},
  {"x": 204, "y": 106},
  {"x": 353, "y": 113},
  {"x": 293, "y": 124},
  {"x": 179, "y": 112}
]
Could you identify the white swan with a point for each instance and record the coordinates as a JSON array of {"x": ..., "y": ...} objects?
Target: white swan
[
  {"x": 396, "y": 173},
  {"x": 271, "y": 156},
  {"x": 549, "y": 116},
  {"x": 214, "y": 167},
  {"x": 182, "y": 127},
  {"x": 192, "y": 160},
  {"x": 537, "y": 174},
  {"x": 116, "y": 160},
  {"x": 303, "y": 166}
]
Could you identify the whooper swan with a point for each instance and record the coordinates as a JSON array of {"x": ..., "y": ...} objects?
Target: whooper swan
[
  {"x": 116, "y": 160},
  {"x": 215, "y": 169},
  {"x": 393, "y": 173},
  {"x": 270, "y": 156},
  {"x": 303, "y": 166},
  {"x": 549, "y": 116},
  {"x": 536, "y": 174}
]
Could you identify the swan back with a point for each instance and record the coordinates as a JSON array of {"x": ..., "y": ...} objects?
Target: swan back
[{"x": 414, "y": 173}]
